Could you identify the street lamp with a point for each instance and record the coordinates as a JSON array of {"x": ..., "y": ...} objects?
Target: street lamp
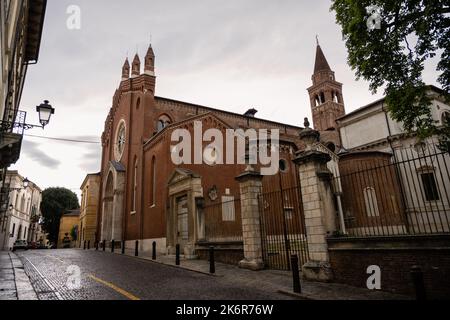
[
  {"x": 26, "y": 182},
  {"x": 45, "y": 112}
]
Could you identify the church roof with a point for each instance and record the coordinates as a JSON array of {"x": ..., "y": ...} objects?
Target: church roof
[
  {"x": 321, "y": 63},
  {"x": 222, "y": 111}
]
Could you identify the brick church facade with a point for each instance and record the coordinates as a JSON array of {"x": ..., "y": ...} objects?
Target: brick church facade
[{"x": 144, "y": 196}]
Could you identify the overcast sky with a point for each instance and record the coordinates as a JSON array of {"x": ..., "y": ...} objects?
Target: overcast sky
[{"x": 232, "y": 54}]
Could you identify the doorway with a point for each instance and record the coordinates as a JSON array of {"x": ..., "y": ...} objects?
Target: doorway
[{"x": 182, "y": 221}]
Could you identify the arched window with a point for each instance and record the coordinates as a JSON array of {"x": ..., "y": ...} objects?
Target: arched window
[
  {"x": 331, "y": 146},
  {"x": 322, "y": 98},
  {"x": 22, "y": 204},
  {"x": 153, "y": 189},
  {"x": 163, "y": 122},
  {"x": 133, "y": 207},
  {"x": 445, "y": 118},
  {"x": 317, "y": 100},
  {"x": 138, "y": 103},
  {"x": 370, "y": 200}
]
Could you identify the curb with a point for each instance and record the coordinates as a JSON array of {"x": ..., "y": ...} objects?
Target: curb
[{"x": 24, "y": 289}]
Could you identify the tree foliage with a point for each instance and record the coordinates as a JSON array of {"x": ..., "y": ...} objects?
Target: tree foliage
[
  {"x": 55, "y": 201},
  {"x": 393, "y": 56}
]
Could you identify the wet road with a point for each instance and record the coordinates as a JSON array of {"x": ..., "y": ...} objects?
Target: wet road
[{"x": 106, "y": 276}]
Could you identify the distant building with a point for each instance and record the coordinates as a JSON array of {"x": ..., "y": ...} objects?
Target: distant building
[
  {"x": 23, "y": 217},
  {"x": 90, "y": 190},
  {"x": 406, "y": 180},
  {"x": 68, "y": 229}
]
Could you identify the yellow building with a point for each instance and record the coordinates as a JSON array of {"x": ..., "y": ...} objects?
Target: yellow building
[
  {"x": 90, "y": 190},
  {"x": 69, "y": 221}
]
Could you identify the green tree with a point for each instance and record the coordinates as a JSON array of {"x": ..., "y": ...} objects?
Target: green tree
[
  {"x": 55, "y": 201},
  {"x": 393, "y": 54}
]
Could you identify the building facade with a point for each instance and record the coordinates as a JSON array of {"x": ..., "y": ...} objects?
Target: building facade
[
  {"x": 21, "y": 24},
  {"x": 68, "y": 229},
  {"x": 23, "y": 218},
  {"x": 90, "y": 191},
  {"x": 420, "y": 199}
]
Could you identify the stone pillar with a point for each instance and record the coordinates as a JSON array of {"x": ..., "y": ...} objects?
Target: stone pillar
[
  {"x": 318, "y": 206},
  {"x": 250, "y": 185}
]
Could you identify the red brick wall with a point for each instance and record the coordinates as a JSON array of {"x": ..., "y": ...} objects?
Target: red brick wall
[{"x": 395, "y": 256}]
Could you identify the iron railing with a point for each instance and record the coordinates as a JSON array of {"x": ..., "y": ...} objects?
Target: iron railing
[
  {"x": 223, "y": 222},
  {"x": 283, "y": 231},
  {"x": 407, "y": 195}
]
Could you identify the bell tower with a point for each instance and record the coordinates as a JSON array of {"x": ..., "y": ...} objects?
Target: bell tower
[{"x": 327, "y": 103}]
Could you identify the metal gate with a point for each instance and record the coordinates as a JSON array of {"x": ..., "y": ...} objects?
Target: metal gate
[{"x": 283, "y": 229}]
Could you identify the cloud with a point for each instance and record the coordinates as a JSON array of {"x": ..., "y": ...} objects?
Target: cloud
[
  {"x": 32, "y": 150},
  {"x": 90, "y": 161}
]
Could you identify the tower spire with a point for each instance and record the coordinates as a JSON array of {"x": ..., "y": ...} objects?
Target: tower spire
[
  {"x": 321, "y": 63},
  {"x": 149, "y": 63},
  {"x": 136, "y": 66},
  {"x": 327, "y": 103},
  {"x": 126, "y": 70}
]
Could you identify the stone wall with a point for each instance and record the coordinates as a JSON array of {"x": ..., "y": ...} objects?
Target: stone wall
[{"x": 350, "y": 257}]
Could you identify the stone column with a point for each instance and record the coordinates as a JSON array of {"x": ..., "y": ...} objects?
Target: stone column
[
  {"x": 250, "y": 185},
  {"x": 318, "y": 206}
]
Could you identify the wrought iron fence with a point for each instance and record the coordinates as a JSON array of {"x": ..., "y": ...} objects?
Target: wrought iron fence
[
  {"x": 283, "y": 229},
  {"x": 223, "y": 222},
  {"x": 404, "y": 193}
]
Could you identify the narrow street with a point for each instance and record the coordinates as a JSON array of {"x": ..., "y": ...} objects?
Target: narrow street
[{"x": 106, "y": 276}]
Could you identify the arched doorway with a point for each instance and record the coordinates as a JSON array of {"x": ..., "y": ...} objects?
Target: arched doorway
[
  {"x": 108, "y": 207},
  {"x": 112, "y": 207}
]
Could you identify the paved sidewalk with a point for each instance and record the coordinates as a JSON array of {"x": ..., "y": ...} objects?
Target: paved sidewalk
[
  {"x": 14, "y": 283},
  {"x": 278, "y": 281}
]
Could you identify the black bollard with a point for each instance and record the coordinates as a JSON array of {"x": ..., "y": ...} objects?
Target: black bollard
[
  {"x": 123, "y": 246},
  {"x": 177, "y": 254},
  {"x": 84, "y": 245},
  {"x": 212, "y": 263},
  {"x": 419, "y": 285},
  {"x": 104, "y": 245},
  {"x": 112, "y": 246},
  {"x": 154, "y": 250},
  {"x": 136, "y": 248},
  {"x": 89, "y": 244},
  {"x": 96, "y": 245},
  {"x": 295, "y": 274}
]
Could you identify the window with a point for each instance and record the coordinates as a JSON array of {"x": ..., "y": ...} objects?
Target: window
[
  {"x": 370, "y": 200},
  {"x": 153, "y": 191},
  {"x": 14, "y": 229},
  {"x": 163, "y": 122},
  {"x": 331, "y": 146},
  {"x": 283, "y": 165},
  {"x": 445, "y": 118},
  {"x": 22, "y": 204},
  {"x": 133, "y": 209},
  {"x": 228, "y": 210},
  {"x": 429, "y": 186}
]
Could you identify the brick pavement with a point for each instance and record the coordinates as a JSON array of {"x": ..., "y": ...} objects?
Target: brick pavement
[{"x": 14, "y": 282}]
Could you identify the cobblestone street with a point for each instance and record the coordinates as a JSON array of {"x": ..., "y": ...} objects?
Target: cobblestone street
[
  {"x": 110, "y": 276},
  {"x": 106, "y": 276}
]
